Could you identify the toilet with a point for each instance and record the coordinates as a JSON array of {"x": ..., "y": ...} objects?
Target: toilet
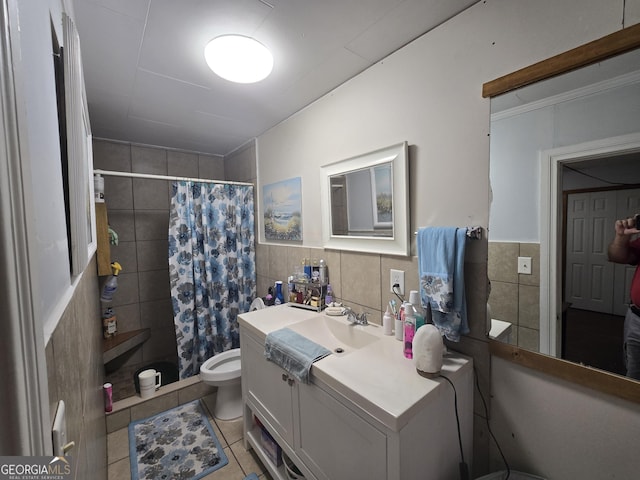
[{"x": 223, "y": 371}]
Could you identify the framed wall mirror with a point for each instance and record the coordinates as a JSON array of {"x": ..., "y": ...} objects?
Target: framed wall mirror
[
  {"x": 570, "y": 126},
  {"x": 365, "y": 202}
]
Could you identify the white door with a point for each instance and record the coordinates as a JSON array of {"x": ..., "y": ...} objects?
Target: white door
[
  {"x": 592, "y": 282},
  {"x": 589, "y": 274}
]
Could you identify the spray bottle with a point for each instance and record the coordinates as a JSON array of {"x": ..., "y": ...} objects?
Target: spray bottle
[
  {"x": 109, "y": 321},
  {"x": 111, "y": 284}
]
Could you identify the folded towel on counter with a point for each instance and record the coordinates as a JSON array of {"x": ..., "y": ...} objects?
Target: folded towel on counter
[
  {"x": 441, "y": 270},
  {"x": 293, "y": 352}
]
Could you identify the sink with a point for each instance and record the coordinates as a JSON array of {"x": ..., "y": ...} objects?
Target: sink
[{"x": 335, "y": 333}]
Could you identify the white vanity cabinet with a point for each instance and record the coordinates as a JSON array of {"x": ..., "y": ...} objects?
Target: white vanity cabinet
[
  {"x": 365, "y": 415},
  {"x": 268, "y": 389},
  {"x": 335, "y": 442},
  {"x": 320, "y": 434}
]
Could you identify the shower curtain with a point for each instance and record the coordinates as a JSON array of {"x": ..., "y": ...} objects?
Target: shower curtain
[{"x": 211, "y": 267}]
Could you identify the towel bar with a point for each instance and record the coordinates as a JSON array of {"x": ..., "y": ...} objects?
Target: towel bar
[{"x": 475, "y": 233}]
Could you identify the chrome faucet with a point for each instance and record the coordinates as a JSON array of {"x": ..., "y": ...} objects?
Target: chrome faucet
[{"x": 357, "y": 318}]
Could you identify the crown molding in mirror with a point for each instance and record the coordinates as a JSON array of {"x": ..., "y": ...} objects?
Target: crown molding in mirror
[
  {"x": 592, "y": 52},
  {"x": 589, "y": 377}
]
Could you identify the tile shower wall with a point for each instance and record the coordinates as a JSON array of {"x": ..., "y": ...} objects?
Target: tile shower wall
[
  {"x": 138, "y": 210},
  {"x": 515, "y": 297},
  {"x": 77, "y": 341}
]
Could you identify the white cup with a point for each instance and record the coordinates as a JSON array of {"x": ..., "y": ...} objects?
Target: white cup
[{"x": 150, "y": 381}]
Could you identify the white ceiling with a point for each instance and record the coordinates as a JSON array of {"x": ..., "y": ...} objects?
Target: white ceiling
[{"x": 147, "y": 81}]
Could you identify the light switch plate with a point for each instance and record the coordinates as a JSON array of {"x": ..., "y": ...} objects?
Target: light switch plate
[{"x": 524, "y": 265}]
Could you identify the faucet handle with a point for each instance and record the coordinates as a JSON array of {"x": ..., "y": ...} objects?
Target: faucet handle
[{"x": 363, "y": 318}]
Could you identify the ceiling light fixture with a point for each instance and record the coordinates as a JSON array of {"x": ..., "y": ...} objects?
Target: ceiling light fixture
[{"x": 238, "y": 58}]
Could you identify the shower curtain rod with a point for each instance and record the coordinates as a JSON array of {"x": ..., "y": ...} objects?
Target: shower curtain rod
[{"x": 111, "y": 173}]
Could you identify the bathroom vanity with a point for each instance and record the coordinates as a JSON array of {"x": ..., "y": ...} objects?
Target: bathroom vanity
[{"x": 366, "y": 413}]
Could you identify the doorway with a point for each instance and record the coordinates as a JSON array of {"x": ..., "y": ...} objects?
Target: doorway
[
  {"x": 595, "y": 292},
  {"x": 608, "y": 164}
]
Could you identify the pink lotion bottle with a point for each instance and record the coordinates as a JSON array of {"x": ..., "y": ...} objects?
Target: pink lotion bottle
[{"x": 409, "y": 329}]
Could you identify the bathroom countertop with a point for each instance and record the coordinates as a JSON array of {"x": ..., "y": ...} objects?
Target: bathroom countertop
[{"x": 377, "y": 377}]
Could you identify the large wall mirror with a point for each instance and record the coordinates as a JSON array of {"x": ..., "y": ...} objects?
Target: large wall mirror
[
  {"x": 564, "y": 165},
  {"x": 365, "y": 202}
]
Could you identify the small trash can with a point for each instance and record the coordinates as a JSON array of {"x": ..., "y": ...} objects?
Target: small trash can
[
  {"x": 293, "y": 473},
  {"x": 502, "y": 475},
  {"x": 168, "y": 370}
]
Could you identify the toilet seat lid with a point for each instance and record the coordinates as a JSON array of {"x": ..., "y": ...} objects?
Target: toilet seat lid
[{"x": 257, "y": 304}]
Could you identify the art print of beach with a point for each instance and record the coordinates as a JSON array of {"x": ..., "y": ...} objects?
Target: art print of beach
[{"x": 283, "y": 210}]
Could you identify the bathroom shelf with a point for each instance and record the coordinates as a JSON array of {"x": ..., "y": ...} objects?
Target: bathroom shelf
[
  {"x": 123, "y": 342},
  {"x": 277, "y": 472},
  {"x": 321, "y": 290}
]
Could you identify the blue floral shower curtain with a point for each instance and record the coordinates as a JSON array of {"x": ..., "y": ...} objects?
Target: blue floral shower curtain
[{"x": 211, "y": 267}]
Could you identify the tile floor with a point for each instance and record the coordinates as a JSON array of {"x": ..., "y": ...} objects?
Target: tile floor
[{"x": 241, "y": 462}]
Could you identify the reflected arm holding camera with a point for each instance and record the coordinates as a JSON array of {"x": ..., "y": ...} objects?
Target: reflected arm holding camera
[{"x": 622, "y": 249}]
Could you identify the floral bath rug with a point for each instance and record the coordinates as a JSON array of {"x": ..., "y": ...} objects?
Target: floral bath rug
[{"x": 178, "y": 444}]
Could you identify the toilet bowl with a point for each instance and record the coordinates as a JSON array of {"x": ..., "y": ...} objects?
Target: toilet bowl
[{"x": 223, "y": 371}]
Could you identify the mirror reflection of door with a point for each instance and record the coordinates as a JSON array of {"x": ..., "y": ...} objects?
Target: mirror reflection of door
[{"x": 595, "y": 292}]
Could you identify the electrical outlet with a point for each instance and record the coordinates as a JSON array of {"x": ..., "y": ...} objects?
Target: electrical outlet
[
  {"x": 397, "y": 276},
  {"x": 524, "y": 265}
]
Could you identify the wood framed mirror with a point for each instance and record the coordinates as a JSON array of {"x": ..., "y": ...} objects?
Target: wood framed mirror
[{"x": 613, "y": 45}]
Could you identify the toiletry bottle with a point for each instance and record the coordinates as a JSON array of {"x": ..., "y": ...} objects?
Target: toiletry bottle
[
  {"x": 109, "y": 323},
  {"x": 279, "y": 300},
  {"x": 323, "y": 272},
  {"x": 409, "y": 329},
  {"x": 107, "y": 389},
  {"x": 328, "y": 299},
  {"x": 98, "y": 188},
  {"x": 300, "y": 294},
  {"x": 387, "y": 322},
  {"x": 111, "y": 284},
  {"x": 307, "y": 268},
  {"x": 414, "y": 299},
  {"x": 292, "y": 289},
  {"x": 268, "y": 299}
]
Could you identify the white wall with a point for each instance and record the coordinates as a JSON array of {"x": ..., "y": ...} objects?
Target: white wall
[
  {"x": 557, "y": 430},
  {"x": 517, "y": 140},
  {"x": 53, "y": 285},
  {"x": 429, "y": 93}
]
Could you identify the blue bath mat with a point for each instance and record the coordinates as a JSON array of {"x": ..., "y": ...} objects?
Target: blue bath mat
[
  {"x": 251, "y": 476},
  {"x": 179, "y": 444}
]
